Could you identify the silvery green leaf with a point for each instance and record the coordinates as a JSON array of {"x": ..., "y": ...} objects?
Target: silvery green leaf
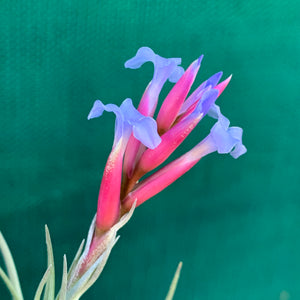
[
  {"x": 77, "y": 286},
  {"x": 174, "y": 283},
  {"x": 44, "y": 280},
  {"x": 75, "y": 260},
  {"x": 9, "y": 285},
  {"x": 100, "y": 266},
  {"x": 64, "y": 282},
  {"x": 11, "y": 268},
  {"x": 91, "y": 275},
  {"x": 74, "y": 271},
  {"x": 124, "y": 218},
  {"x": 50, "y": 286}
]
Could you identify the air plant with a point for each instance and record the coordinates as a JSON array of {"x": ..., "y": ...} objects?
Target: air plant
[{"x": 141, "y": 145}]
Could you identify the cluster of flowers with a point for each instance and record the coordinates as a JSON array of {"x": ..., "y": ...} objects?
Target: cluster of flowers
[{"x": 141, "y": 143}]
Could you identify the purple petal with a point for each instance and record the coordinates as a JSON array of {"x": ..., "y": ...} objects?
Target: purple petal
[
  {"x": 213, "y": 80},
  {"x": 197, "y": 94},
  {"x": 143, "y": 55},
  {"x": 207, "y": 100},
  {"x": 194, "y": 97},
  {"x": 98, "y": 109},
  {"x": 239, "y": 148},
  {"x": 215, "y": 113},
  {"x": 128, "y": 120},
  {"x": 164, "y": 68},
  {"x": 223, "y": 140},
  {"x": 144, "y": 128},
  {"x": 226, "y": 139}
]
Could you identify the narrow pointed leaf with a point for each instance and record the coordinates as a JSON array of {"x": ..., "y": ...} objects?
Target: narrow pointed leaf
[
  {"x": 9, "y": 285},
  {"x": 78, "y": 286},
  {"x": 50, "y": 286},
  {"x": 100, "y": 266},
  {"x": 75, "y": 260},
  {"x": 72, "y": 277},
  {"x": 63, "y": 289},
  {"x": 44, "y": 280},
  {"x": 10, "y": 266},
  {"x": 86, "y": 281},
  {"x": 174, "y": 283}
]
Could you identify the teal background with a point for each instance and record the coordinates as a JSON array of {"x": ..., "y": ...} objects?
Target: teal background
[{"x": 235, "y": 224}]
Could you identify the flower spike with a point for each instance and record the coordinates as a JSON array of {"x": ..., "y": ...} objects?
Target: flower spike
[{"x": 141, "y": 144}]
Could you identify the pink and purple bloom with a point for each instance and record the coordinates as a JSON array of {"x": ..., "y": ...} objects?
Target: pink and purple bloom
[{"x": 142, "y": 144}]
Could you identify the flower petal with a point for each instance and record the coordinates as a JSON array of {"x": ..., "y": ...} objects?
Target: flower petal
[
  {"x": 175, "y": 135},
  {"x": 173, "y": 102},
  {"x": 128, "y": 120},
  {"x": 215, "y": 113},
  {"x": 144, "y": 128},
  {"x": 227, "y": 139},
  {"x": 239, "y": 148},
  {"x": 214, "y": 79},
  {"x": 222, "y": 138},
  {"x": 222, "y": 85},
  {"x": 204, "y": 86},
  {"x": 164, "y": 68}
]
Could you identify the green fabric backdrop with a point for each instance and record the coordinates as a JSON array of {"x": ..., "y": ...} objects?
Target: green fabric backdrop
[{"x": 235, "y": 224}]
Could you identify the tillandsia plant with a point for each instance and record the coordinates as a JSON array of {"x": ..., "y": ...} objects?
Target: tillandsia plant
[{"x": 141, "y": 144}]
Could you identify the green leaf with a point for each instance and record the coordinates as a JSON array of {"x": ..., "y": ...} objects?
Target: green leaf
[
  {"x": 8, "y": 284},
  {"x": 90, "y": 276},
  {"x": 42, "y": 283},
  {"x": 50, "y": 286},
  {"x": 64, "y": 282},
  {"x": 174, "y": 283},
  {"x": 11, "y": 268},
  {"x": 101, "y": 265},
  {"x": 76, "y": 259}
]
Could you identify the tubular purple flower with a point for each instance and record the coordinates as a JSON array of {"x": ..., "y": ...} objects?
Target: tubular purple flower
[
  {"x": 176, "y": 135},
  {"x": 164, "y": 69},
  {"x": 222, "y": 138},
  {"x": 144, "y": 129},
  {"x": 226, "y": 138},
  {"x": 128, "y": 120}
]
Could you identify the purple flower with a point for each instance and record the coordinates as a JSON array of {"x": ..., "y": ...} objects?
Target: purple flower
[
  {"x": 142, "y": 144},
  {"x": 164, "y": 69},
  {"x": 144, "y": 129},
  {"x": 222, "y": 138},
  {"x": 129, "y": 120}
]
